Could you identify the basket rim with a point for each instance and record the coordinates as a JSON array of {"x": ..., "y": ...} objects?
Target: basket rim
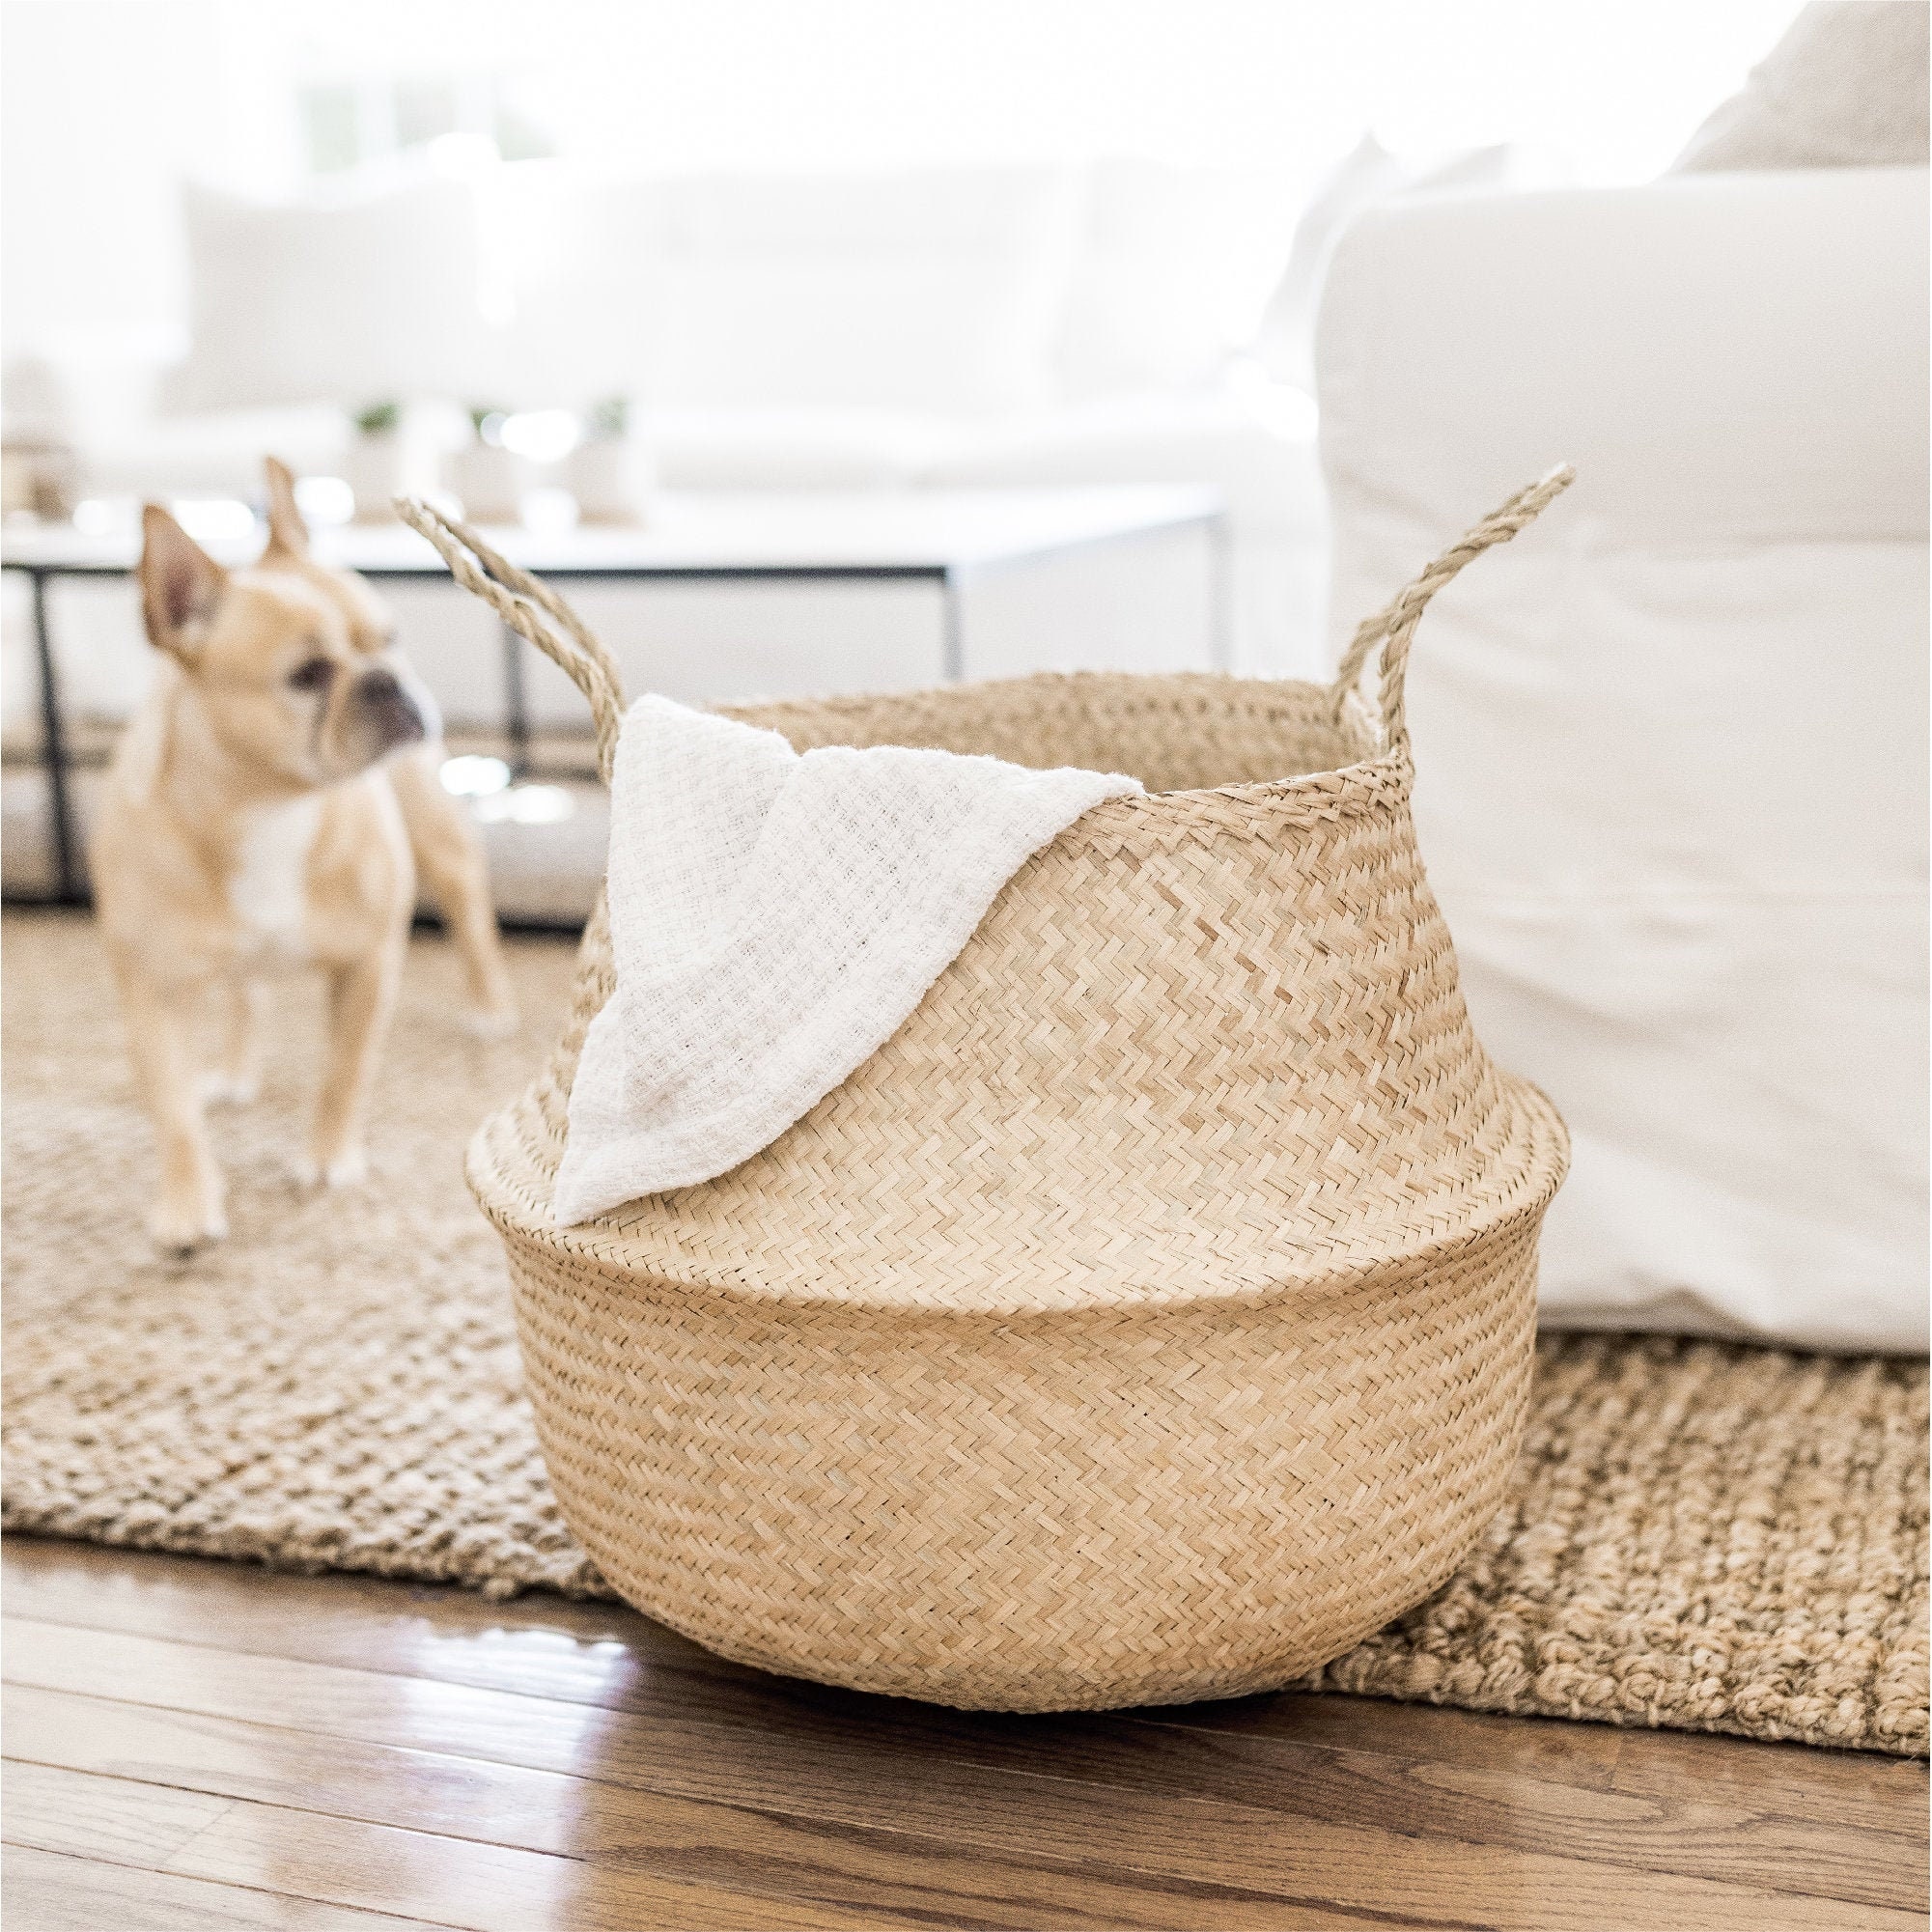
[
  {"x": 1244, "y": 808},
  {"x": 598, "y": 1246},
  {"x": 1148, "y": 693}
]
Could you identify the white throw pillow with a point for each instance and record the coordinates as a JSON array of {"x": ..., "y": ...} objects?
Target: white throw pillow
[
  {"x": 345, "y": 300},
  {"x": 1845, "y": 88},
  {"x": 939, "y": 292}
]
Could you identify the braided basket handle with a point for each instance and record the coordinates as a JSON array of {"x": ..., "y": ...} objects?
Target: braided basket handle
[
  {"x": 1396, "y": 623},
  {"x": 524, "y": 602}
]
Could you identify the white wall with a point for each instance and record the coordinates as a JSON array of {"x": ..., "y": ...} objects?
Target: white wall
[{"x": 1617, "y": 83}]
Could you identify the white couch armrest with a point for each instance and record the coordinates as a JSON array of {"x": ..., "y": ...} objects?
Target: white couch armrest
[
  {"x": 1671, "y": 743},
  {"x": 1722, "y": 355}
]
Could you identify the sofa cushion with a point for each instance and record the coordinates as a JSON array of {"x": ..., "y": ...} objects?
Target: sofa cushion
[
  {"x": 921, "y": 292},
  {"x": 927, "y": 290},
  {"x": 1846, "y": 87},
  {"x": 346, "y": 299}
]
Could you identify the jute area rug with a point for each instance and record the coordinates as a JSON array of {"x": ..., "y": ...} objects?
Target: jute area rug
[{"x": 1701, "y": 1536}]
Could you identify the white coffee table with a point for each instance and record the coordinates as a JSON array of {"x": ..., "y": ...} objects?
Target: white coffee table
[{"x": 948, "y": 539}]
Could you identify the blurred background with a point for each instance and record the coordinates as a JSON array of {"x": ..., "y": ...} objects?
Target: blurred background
[
  {"x": 111, "y": 105},
  {"x": 853, "y": 277}
]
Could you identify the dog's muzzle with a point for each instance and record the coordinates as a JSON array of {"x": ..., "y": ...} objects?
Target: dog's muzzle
[{"x": 388, "y": 711}]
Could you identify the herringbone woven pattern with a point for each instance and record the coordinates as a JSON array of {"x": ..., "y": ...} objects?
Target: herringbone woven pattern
[{"x": 1151, "y": 1317}]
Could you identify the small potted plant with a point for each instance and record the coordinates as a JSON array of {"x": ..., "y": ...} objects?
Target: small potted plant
[
  {"x": 609, "y": 471},
  {"x": 374, "y": 460},
  {"x": 489, "y": 477}
]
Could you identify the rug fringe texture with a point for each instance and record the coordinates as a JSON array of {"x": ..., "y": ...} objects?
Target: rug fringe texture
[{"x": 1698, "y": 1535}]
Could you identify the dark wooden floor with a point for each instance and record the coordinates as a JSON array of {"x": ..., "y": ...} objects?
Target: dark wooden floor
[{"x": 198, "y": 1745}]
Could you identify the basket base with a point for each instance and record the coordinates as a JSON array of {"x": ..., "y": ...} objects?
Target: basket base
[{"x": 1066, "y": 1513}]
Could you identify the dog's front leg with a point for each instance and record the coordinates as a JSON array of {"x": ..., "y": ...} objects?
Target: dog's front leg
[
  {"x": 360, "y": 1000},
  {"x": 187, "y": 1211}
]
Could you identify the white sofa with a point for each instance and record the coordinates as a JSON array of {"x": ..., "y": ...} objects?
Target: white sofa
[
  {"x": 1672, "y": 742},
  {"x": 919, "y": 328}
]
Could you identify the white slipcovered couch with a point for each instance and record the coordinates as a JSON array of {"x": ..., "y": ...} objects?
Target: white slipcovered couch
[
  {"x": 914, "y": 328},
  {"x": 1671, "y": 745}
]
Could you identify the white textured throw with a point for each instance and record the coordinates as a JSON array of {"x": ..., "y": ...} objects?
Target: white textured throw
[{"x": 774, "y": 917}]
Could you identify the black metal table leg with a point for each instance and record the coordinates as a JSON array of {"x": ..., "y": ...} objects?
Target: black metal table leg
[
  {"x": 62, "y": 836},
  {"x": 1221, "y": 592},
  {"x": 952, "y": 635},
  {"x": 516, "y": 704}
]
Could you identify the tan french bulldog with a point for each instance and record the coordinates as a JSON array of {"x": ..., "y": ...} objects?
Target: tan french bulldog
[{"x": 266, "y": 809}]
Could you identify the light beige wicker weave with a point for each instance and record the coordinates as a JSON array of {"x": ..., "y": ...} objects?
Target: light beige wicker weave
[{"x": 1151, "y": 1317}]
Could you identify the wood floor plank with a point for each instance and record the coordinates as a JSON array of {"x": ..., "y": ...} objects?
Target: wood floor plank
[
  {"x": 1808, "y": 1815},
  {"x": 1543, "y": 1748},
  {"x": 55, "y": 1580},
  {"x": 128, "y": 1824},
  {"x": 49, "y": 1892},
  {"x": 1857, "y": 1791},
  {"x": 483, "y": 1888},
  {"x": 606, "y": 1654},
  {"x": 416, "y": 1874},
  {"x": 1347, "y": 1868},
  {"x": 1864, "y": 1790},
  {"x": 1783, "y": 1808},
  {"x": 829, "y": 1864},
  {"x": 1735, "y": 1841},
  {"x": 1737, "y": 1834}
]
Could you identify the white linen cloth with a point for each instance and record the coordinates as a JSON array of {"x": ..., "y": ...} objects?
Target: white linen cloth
[{"x": 774, "y": 917}]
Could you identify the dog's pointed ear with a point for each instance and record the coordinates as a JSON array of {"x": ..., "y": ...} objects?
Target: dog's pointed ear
[
  {"x": 287, "y": 533},
  {"x": 181, "y": 584}
]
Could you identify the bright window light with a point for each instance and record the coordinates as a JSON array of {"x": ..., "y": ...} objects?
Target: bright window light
[
  {"x": 543, "y": 436},
  {"x": 461, "y": 154},
  {"x": 96, "y": 517},
  {"x": 527, "y": 805},
  {"x": 325, "y": 500},
  {"x": 214, "y": 519},
  {"x": 472, "y": 777}
]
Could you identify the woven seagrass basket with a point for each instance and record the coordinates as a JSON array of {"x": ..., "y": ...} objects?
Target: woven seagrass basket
[{"x": 1151, "y": 1317}]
